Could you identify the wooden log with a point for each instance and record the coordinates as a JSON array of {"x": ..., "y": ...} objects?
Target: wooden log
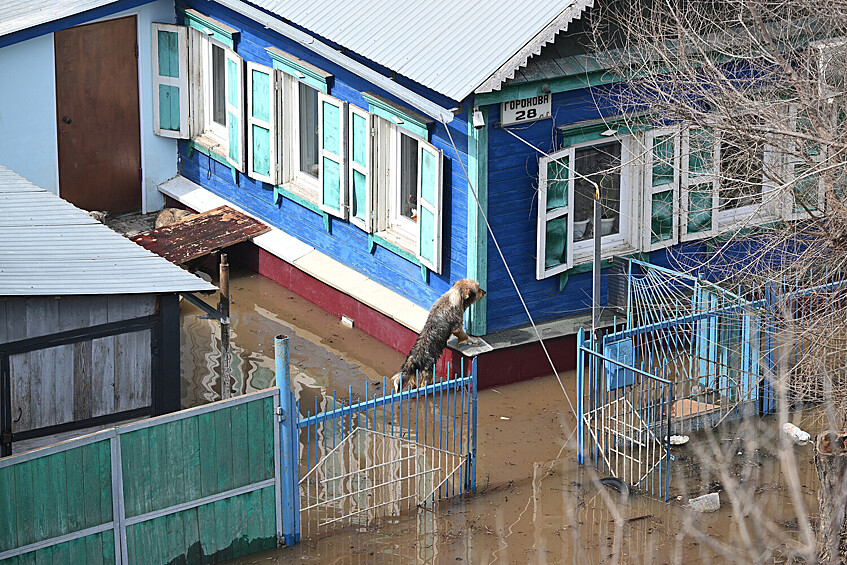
[{"x": 831, "y": 465}]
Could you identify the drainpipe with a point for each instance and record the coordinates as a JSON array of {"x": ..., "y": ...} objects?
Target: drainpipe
[
  {"x": 226, "y": 353},
  {"x": 289, "y": 444}
]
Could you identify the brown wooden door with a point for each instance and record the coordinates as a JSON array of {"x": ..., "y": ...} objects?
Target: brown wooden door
[{"x": 97, "y": 109}]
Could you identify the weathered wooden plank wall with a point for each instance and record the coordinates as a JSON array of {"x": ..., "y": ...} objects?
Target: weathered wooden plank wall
[
  {"x": 56, "y": 385},
  {"x": 60, "y": 493}
]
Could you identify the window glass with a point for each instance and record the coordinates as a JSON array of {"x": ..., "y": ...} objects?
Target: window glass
[
  {"x": 409, "y": 177},
  {"x": 741, "y": 171},
  {"x": 601, "y": 164},
  {"x": 557, "y": 183},
  {"x": 218, "y": 85},
  {"x": 308, "y": 104}
]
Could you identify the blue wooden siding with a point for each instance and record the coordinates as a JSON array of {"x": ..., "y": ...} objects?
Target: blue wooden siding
[
  {"x": 344, "y": 242},
  {"x": 512, "y": 212}
]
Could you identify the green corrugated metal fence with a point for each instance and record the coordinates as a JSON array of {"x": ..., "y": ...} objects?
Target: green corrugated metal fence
[{"x": 201, "y": 484}]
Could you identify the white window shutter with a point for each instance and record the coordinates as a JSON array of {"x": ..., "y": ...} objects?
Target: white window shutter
[
  {"x": 332, "y": 159},
  {"x": 360, "y": 168},
  {"x": 170, "y": 80},
  {"x": 234, "y": 110},
  {"x": 700, "y": 161},
  {"x": 262, "y": 158},
  {"x": 661, "y": 195},
  {"x": 430, "y": 165},
  {"x": 554, "y": 234}
]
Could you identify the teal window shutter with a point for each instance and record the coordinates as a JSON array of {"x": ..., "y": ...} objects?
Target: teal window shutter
[
  {"x": 234, "y": 110},
  {"x": 170, "y": 80},
  {"x": 360, "y": 168},
  {"x": 554, "y": 234},
  {"x": 430, "y": 166},
  {"x": 332, "y": 162},
  {"x": 262, "y": 157}
]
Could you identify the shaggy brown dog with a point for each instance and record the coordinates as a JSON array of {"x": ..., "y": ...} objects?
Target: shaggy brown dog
[{"x": 444, "y": 320}]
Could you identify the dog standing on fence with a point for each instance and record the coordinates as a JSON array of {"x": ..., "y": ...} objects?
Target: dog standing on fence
[{"x": 445, "y": 319}]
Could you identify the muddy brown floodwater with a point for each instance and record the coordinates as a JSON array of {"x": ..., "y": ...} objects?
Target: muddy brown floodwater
[{"x": 534, "y": 503}]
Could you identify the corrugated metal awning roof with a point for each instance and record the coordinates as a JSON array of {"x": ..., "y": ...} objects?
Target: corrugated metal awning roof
[
  {"x": 453, "y": 48},
  {"x": 50, "y": 247},
  {"x": 17, "y": 15}
]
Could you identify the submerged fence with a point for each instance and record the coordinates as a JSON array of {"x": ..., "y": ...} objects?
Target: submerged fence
[
  {"x": 223, "y": 480},
  {"x": 692, "y": 354},
  {"x": 199, "y": 485},
  {"x": 384, "y": 454}
]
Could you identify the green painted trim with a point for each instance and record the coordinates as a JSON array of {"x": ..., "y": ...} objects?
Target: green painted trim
[
  {"x": 564, "y": 84},
  {"x": 213, "y": 155},
  {"x": 374, "y": 240},
  {"x": 281, "y": 192},
  {"x": 300, "y": 69},
  {"x": 214, "y": 29},
  {"x": 410, "y": 120},
  {"x": 477, "y": 252},
  {"x": 591, "y": 131}
]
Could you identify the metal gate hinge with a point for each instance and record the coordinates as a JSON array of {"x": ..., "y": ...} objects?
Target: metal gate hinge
[
  {"x": 6, "y": 438},
  {"x": 281, "y": 413}
]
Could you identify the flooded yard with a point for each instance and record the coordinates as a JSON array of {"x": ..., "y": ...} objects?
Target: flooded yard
[{"x": 534, "y": 503}]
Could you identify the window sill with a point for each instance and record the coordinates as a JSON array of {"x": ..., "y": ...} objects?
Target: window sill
[
  {"x": 399, "y": 244},
  {"x": 212, "y": 149},
  {"x": 301, "y": 196},
  {"x": 585, "y": 255}
]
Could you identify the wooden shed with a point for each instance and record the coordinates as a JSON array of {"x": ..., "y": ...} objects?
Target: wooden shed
[{"x": 89, "y": 320}]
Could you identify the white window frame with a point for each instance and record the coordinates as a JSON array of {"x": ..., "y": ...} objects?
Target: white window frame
[
  {"x": 792, "y": 159},
  {"x": 688, "y": 180},
  {"x": 302, "y": 183},
  {"x": 390, "y": 224},
  {"x": 627, "y": 240},
  {"x": 649, "y": 190},
  {"x": 211, "y": 128}
]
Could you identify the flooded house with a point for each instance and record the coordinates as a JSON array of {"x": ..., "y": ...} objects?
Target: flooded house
[
  {"x": 391, "y": 152},
  {"x": 89, "y": 320}
]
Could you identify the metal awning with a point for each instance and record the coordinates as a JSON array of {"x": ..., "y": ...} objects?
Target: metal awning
[{"x": 199, "y": 235}]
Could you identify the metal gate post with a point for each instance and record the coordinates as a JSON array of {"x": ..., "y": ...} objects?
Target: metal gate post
[
  {"x": 473, "y": 429},
  {"x": 580, "y": 392},
  {"x": 290, "y": 453}
]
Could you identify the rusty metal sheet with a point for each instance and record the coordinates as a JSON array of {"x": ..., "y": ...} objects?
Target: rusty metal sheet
[{"x": 201, "y": 234}]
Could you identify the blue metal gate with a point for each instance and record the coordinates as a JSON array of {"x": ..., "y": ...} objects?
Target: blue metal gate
[
  {"x": 385, "y": 454},
  {"x": 689, "y": 355}
]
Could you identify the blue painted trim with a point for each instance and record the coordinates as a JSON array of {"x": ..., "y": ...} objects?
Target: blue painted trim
[
  {"x": 70, "y": 21},
  {"x": 281, "y": 192},
  {"x": 374, "y": 240},
  {"x": 213, "y": 155},
  {"x": 396, "y": 114},
  {"x": 300, "y": 69},
  {"x": 213, "y": 28}
]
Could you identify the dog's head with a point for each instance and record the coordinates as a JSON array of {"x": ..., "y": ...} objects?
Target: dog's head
[{"x": 469, "y": 292}]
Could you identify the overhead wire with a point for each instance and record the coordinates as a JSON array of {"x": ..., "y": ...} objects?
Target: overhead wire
[{"x": 508, "y": 269}]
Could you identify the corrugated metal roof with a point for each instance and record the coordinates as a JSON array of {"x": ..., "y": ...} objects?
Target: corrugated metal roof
[
  {"x": 17, "y": 15},
  {"x": 50, "y": 247},
  {"x": 452, "y": 47}
]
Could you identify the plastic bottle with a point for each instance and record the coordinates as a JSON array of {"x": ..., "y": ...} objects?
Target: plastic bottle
[{"x": 796, "y": 433}]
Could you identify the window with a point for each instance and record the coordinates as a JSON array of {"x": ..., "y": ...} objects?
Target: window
[
  {"x": 408, "y": 173},
  {"x": 305, "y": 145},
  {"x": 207, "y": 109},
  {"x": 566, "y": 204}
]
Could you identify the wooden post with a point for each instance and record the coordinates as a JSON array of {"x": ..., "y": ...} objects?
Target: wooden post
[
  {"x": 831, "y": 465},
  {"x": 226, "y": 355}
]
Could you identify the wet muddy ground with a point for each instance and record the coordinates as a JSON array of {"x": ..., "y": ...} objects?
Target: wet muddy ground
[{"x": 534, "y": 503}]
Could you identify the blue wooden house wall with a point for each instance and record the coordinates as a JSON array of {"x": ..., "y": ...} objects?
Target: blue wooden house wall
[
  {"x": 344, "y": 242},
  {"x": 513, "y": 215}
]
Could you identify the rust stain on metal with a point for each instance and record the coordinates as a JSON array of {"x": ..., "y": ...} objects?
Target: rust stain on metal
[{"x": 201, "y": 234}]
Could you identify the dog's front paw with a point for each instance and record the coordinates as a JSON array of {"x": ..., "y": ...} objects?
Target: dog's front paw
[{"x": 471, "y": 341}]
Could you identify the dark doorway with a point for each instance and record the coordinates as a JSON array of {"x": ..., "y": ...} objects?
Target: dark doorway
[{"x": 97, "y": 109}]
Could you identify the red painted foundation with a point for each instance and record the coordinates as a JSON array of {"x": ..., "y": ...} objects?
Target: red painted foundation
[{"x": 495, "y": 368}]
